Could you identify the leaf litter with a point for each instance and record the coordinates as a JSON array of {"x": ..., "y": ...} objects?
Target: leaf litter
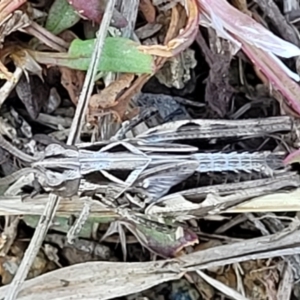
[{"x": 184, "y": 119}]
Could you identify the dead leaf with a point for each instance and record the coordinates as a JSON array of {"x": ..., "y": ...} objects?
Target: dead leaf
[
  {"x": 107, "y": 98},
  {"x": 178, "y": 20},
  {"x": 8, "y": 265},
  {"x": 148, "y": 10},
  {"x": 52, "y": 254},
  {"x": 34, "y": 94},
  {"x": 72, "y": 81},
  {"x": 122, "y": 103}
]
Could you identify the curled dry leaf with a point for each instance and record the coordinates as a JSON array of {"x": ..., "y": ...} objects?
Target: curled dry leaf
[
  {"x": 107, "y": 98},
  {"x": 183, "y": 40},
  {"x": 123, "y": 101}
]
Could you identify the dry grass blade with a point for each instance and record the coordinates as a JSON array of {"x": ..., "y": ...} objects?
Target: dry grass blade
[
  {"x": 14, "y": 205},
  {"x": 247, "y": 196},
  {"x": 108, "y": 280},
  {"x": 281, "y": 201},
  {"x": 96, "y": 280},
  {"x": 257, "y": 248}
]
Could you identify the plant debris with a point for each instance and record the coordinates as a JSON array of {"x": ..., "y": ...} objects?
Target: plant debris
[{"x": 149, "y": 149}]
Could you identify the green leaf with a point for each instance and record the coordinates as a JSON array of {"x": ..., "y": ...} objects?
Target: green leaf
[
  {"x": 119, "y": 55},
  {"x": 61, "y": 17}
]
